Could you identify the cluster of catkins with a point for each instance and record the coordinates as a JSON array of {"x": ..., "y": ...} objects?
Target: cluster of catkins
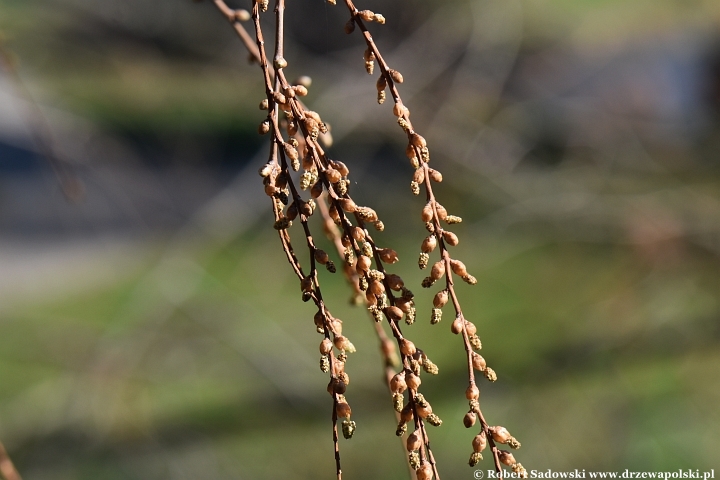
[{"x": 298, "y": 137}]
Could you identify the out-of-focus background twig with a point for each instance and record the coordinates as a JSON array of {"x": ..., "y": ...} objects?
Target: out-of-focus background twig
[{"x": 155, "y": 331}]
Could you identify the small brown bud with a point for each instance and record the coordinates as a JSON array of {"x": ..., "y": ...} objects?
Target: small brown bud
[
  {"x": 363, "y": 264},
  {"x": 406, "y": 346},
  {"x": 300, "y": 90},
  {"x": 377, "y": 288},
  {"x": 506, "y": 458},
  {"x": 366, "y": 15},
  {"x": 425, "y": 472},
  {"x": 395, "y": 314},
  {"x": 343, "y": 410},
  {"x": 306, "y": 284},
  {"x": 435, "y": 175},
  {"x": 478, "y": 362},
  {"x": 279, "y": 98},
  {"x": 479, "y": 442},
  {"x": 379, "y": 226},
  {"x": 264, "y": 127},
  {"x": 450, "y": 238},
  {"x": 419, "y": 175},
  {"x": 397, "y": 383},
  {"x": 470, "y": 328},
  {"x": 490, "y": 374},
  {"x": 242, "y": 15},
  {"x": 413, "y": 441},
  {"x": 458, "y": 267},
  {"x": 333, "y": 175},
  {"x": 396, "y": 76},
  {"x": 423, "y": 409},
  {"x": 388, "y": 255},
  {"x": 500, "y": 434},
  {"x": 336, "y": 386},
  {"x": 441, "y": 299},
  {"x": 457, "y": 325},
  {"x": 394, "y": 281},
  {"x": 341, "y": 342},
  {"x": 410, "y": 152},
  {"x": 316, "y": 189},
  {"x": 321, "y": 256},
  {"x": 412, "y": 380},
  {"x": 438, "y": 270},
  {"x": 381, "y": 84},
  {"x": 472, "y": 392},
  {"x": 347, "y": 205},
  {"x": 399, "y": 109},
  {"x": 264, "y": 104},
  {"x": 350, "y": 26},
  {"x": 326, "y": 346},
  {"x": 427, "y": 212},
  {"x": 418, "y": 141},
  {"x": 379, "y": 19},
  {"x": 469, "y": 419},
  {"x": 406, "y": 414},
  {"x": 429, "y": 244}
]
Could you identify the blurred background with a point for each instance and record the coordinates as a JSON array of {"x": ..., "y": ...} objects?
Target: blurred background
[{"x": 152, "y": 329}]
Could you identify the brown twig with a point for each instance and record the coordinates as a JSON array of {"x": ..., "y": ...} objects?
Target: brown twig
[{"x": 7, "y": 469}]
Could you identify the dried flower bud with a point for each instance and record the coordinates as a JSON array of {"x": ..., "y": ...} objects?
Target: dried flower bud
[
  {"x": 410, "y": 153},
  {"x": 519, "y": 470},
  {"x": 442, "y": 213},
  {"x": 326, "y": 346},
  {"x": 458, "y": 267},
  {"x": 406, "y": 414},
  {"x": 394, "y": 313},
  {"x": 472, "y": 392},
  {"x": 469, "y": 279},
  {"x": 381, "y": 84},
  {"x": 500, "y": 434},
  {"x": 394, "y": 282},
  {"x": 300, "y": 90},
  {"x": 401, "y": 429},
  {"x": 279, "y": 98},
  {"x": 367, "y": 249},
  {"x": 316, "y": 190},
  {"x": 396, "y": 76},
  {"x": 428, "y": 282},
  {"x": 379, "y": 19},
  {"x": 397, "y": 383},
  {"x": 506, "y": 458},
  {"x": 436, "y": 316},
  {"x": 388, "y": 255},
  {"x": 490, "y": 374},
  {"x": 457, "y": 325},
  {"x": 478, "y": 362},
  {"x": 412, "y": 380},
  {"x": 423, "y": 409},
  {"x": 429, "y": 244},
  {"x": 350, "y": 26},
  {"x": 450, "y": 238},
  {"x": 413, "y": 441},
  {"x": 441, "y": 298},
  {"x": 363, "y": 264},
  {"x": 452, "y": 219},
  {"x": 343, "y": 410},
  {"x": 418, "y": 141},
  {"x": 341, "y": 342},
  {"x": 470, "y": 328},
  {"x": 425, "y": 472},
  {"x": 406, "y": 346},
  {"x": 366, "y": 15},
  {"x": 399, "y": 109},
  {"x": 430, "y": 367},
  {"x": 438, "y": 270},
  {"x": 435, "y": 175},
  {"x": 427, "y": 212},
  {"x": 336, "y": 386},
  {"x": 477, "y": 345},
  {"x": 469, "y": 419},
  {"x": 379, "y": 226},
  {"x": 306, "y": 284},
  {"x": 264, "y": 104},
  {"x": 479, "y": 442},
  {"x": 264, "y": 127},
  {"x": 377, "y": 288},
  {"x": 381, "y": 97}
]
